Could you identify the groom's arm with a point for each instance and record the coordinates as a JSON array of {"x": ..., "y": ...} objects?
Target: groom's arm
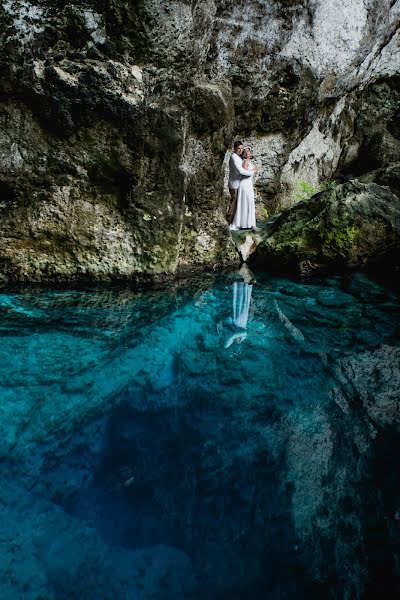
[{"x": 238, "y": 164}]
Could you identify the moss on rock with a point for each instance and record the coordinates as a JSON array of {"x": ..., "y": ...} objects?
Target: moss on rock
[{"x": 353, "y": 225}]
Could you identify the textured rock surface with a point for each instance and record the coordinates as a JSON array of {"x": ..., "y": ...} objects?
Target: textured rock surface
[
  {"x": 352, "y": 225},
  {"x": 48, "y": 554},
  {"x": 329, "y": 500},
  {"x": 115, "y": 120}
]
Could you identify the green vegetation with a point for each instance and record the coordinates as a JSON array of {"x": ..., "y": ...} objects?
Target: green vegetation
[
  {"x": 321, "y": 227},
  {"x": 295, "y": 236},
  {"x": 305, "y": 190},
  {"x": 264, "y": 213},
  {"x": 338, "y": 240}
]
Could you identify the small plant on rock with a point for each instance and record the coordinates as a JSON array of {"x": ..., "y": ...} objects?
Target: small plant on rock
[{"x": 304, "y": 190}]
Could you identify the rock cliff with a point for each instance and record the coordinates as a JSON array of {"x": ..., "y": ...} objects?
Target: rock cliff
[{"x": 116, "y": 118}]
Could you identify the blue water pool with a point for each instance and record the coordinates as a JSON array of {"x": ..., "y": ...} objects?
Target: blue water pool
[{"x": 223, "y": 438}]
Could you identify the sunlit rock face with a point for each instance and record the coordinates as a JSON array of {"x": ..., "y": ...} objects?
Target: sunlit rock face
[
  {"x": 314, "y": 88},
  {"x": 116, "y": 118}
]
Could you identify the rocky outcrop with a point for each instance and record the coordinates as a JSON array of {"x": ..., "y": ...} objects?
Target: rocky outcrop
[
  {"x": 94, "y": 158},
  {"x": 349, "y": 226},
  {"x": 115, "y": 120}
]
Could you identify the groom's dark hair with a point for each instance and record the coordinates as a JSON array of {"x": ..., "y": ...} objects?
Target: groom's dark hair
[{"x": 237, "y": 144}]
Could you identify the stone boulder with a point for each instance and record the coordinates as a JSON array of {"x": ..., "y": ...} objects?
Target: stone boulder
[{"x": 349, "y": 226}]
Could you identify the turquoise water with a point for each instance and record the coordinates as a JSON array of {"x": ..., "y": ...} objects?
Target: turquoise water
[{"x": 212, "y": 439}]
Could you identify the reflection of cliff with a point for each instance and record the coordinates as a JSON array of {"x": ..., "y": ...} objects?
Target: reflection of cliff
[{"x": 115, "y": 118}]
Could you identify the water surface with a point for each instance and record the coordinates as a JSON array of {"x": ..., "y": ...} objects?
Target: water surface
[{"x": 213, "y": 439}]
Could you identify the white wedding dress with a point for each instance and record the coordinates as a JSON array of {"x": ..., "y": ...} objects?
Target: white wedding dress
[{"x": 245, "y": 215}]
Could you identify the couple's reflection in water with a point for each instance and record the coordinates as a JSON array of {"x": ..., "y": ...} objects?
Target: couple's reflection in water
[
  {"x": 241, "y": 299},
  {"x": 236, "y": 325}
]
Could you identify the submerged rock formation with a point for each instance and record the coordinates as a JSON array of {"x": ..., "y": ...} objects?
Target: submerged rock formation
[
  {"x": 144, "y": 458},
  {"x": 115, "y": 119},
  {"x": 332, "y": 452}
]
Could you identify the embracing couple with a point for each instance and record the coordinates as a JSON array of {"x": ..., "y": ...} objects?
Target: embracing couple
[{"x": 242, "y": 213}]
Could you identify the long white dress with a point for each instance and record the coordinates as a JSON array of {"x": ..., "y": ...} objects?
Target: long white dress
[{"x": 245, "y": 215}]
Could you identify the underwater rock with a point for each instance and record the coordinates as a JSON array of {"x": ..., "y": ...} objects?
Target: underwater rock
[
  {"x": 350, "y": 226},
  {"x": 46, "y": 553},
  {"x": 332, "y": 452},
  {"x": 374, "y": 378},
  {"x": 143, "y": 458}
]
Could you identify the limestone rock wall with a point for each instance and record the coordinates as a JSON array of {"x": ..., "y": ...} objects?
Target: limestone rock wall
[{"x": 116, "y": 118}]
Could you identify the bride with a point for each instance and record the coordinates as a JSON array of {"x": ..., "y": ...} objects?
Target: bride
[{"x": 245, "y": 215}]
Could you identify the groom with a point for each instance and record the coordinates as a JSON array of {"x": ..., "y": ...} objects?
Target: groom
[{"x": 236, "y": 172}]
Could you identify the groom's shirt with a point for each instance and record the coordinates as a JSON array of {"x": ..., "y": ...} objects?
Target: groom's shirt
[{"x": 236, "y": 171}]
